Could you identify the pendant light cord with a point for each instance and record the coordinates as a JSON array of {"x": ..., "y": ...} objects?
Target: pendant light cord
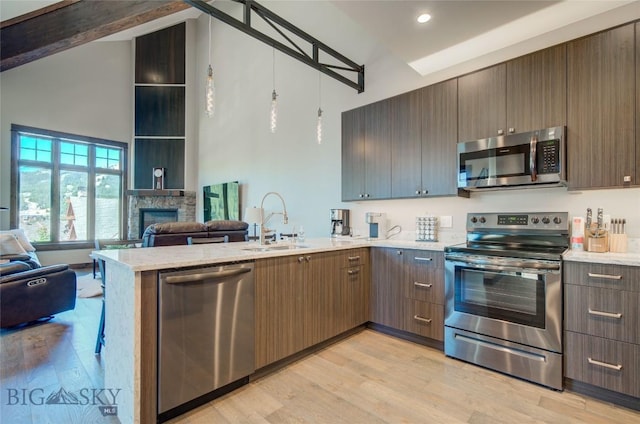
[
  {"x": 209, "y": 40},
  {"x": 274, "y": 68},
  {"x": 319, "y": 89}
]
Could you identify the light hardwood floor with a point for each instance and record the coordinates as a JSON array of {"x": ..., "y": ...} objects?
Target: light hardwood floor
[{"x": 367, "y": 378}]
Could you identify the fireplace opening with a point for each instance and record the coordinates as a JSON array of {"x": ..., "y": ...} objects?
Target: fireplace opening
[{"x": 150, "y": 216}]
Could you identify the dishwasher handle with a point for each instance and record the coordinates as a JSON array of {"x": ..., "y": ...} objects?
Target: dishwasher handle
[{"x": 194, "y": 278}]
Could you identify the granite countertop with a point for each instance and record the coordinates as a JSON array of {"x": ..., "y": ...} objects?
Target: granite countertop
[
  {"x": 156, "y": 258},
  {"x": 631, "y": 259}
]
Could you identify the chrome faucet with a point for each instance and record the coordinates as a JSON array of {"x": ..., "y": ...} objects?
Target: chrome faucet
[{"x": 263, "y": 221}]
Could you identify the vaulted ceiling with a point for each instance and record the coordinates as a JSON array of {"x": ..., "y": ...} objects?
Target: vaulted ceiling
[{"x": 460, "y": 29}]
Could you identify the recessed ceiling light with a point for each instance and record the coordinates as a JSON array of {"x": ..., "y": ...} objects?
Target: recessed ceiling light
[{"x": 425, "y": 17}]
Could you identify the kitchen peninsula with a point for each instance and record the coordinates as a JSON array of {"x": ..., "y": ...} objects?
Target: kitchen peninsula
[
  {"x": 130, "y": 354},
  {"x": 347, "y": 268}
]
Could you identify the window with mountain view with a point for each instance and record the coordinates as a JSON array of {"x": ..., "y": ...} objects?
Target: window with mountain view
[{"x": 68, "y": 188}]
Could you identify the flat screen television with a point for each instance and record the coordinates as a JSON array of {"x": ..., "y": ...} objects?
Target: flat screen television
[{"x": 221, "y": 201}]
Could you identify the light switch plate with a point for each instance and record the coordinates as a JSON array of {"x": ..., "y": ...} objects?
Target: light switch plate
[{"x": 446, "y": 221}]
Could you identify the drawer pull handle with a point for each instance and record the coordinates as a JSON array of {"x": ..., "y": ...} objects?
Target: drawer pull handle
[
  {"x": 354, "y": 258},
  {"x": 608, "y": 277},
  {"x": 418, "y": 258},
  {"x": 605, "y": 314},
  {"x": 353, "y": 271},
  {"x": 418, "y": 284},
  {"x": 419, "y": 318},
  {"x": 604, "y": 364}
]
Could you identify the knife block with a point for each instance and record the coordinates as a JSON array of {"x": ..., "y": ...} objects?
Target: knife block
[
  {"x": 596, "y": 241},
  {"x": 618, "y": 243}
]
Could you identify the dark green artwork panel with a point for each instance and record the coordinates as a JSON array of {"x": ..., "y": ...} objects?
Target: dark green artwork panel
[{"x": 221, "y": 201}]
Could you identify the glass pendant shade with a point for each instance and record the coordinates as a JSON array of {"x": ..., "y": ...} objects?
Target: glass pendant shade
[
  {"x": 274, "y": 111},
  {"x": 209, "y": 98},
  {"x": 319, "y": 127}
]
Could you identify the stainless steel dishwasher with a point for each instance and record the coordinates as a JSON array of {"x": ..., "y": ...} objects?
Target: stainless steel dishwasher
[{"x": 205, "y": 334}]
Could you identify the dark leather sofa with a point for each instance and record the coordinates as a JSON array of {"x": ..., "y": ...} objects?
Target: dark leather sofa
[
  {"x": 177, "y": 233},
  {"x": 30, "y": 292}
]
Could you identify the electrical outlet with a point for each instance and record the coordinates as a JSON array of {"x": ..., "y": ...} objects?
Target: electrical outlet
[{"x": 446, "y": 221}]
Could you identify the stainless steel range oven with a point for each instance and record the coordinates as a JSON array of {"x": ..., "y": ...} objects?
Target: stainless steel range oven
[{"x": 503, "y": 294}]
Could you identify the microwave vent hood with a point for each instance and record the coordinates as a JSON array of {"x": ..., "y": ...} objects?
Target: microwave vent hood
[{"x": 534, "y": 159}]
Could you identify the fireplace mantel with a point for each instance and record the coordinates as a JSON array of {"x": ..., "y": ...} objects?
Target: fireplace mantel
[{"x": 141, "y": 193}]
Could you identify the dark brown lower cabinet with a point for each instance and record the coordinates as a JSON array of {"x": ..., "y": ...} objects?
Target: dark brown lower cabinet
[
  {"x": 602, "y": 362},
  {"x": 407, "y": 290},
  {"x": 279, "y": 309},
  {"x": 601, "y": 321},
  {"x": 303, "y": 300}
]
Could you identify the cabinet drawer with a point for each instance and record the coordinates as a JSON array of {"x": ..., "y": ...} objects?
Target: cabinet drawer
[
  {"x": 613, "y": 314},
  {"x": 425, "y": 259},
  {"x": 354, "y": 257},
  {"x": 426, "y": 286},
  {"x": 603, "y": 363},
  {"x": 619, "y": 277},
  {"x": 425, "y": 319}
]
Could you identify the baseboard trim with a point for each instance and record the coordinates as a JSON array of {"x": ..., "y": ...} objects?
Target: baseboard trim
[
  {"x": 425, "y": 341},
  {"x": 605, "y": 395},
  {"x": 271, "y": 368}
]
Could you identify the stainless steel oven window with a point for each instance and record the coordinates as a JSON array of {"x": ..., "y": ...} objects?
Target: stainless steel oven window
[{"x": 517, "y": 297}]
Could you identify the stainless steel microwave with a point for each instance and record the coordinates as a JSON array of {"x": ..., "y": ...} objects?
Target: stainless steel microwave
[{"x": 531, "y": 159}]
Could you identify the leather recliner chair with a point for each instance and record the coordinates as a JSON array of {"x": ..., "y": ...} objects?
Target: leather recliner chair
[{"x": 28, "y": 294}]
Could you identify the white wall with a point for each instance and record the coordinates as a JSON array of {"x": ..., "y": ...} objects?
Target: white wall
[
  {"x": 236, "y": 143},
  {"x": 86, "y": 90}
]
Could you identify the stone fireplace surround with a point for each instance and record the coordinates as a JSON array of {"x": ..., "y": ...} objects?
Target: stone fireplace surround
[{"x": 183, "y": 201}]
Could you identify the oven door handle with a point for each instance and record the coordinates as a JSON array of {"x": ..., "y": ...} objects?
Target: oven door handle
[{"x": 518, "y": 266}]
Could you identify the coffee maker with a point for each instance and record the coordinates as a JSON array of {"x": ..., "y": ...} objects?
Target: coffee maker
[
  {"x": 340, "y": 222},
  {"x": 377, "y": 225}
]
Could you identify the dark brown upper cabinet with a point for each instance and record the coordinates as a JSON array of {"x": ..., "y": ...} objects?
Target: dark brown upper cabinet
[
  {"x": 482, "y": 103},
  {"x": 406, "y": 152},
  {"x": 160, "y": 56},
  {"x": 424, "y": 135},
  {"x": 439, "y": 136},
  {"x": 366, "y": 152},
  {"x": 377, "y": 169},
  {"x": 537, "y": 90},
  {"x": 353, "y": 154},
  {"x": 520, "y": 95},
  {"x": 601, "y": 117}
]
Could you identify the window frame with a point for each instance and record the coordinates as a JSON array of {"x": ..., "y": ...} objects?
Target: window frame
[{"x": 56, "y": 166}]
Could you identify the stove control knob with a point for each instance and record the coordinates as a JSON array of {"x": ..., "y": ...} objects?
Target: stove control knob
[
  {"x": 482, "y": 220},
  {"x": 557, "y": 220},
  {"x": 545, "y": 220},
  {"x": 535, "y": 220},
  {"x": 474, "y": 219}
]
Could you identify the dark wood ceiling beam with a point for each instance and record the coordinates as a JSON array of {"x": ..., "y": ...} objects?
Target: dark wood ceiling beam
[{"x": 72, "y": 23}]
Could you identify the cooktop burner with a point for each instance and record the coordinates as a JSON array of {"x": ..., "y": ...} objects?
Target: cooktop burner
[
  {"x": 528, "y": 252},
  {"x": 534, "y": 235}
]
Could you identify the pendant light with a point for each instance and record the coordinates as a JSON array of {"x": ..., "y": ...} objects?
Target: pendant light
[
  {"x": 209, "y": 88},
  {"x": 274, "y": 98},
  {"x": 319, "y": 121}
]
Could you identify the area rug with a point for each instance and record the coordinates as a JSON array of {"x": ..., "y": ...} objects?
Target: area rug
[{"x": 87, "y": 286}]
